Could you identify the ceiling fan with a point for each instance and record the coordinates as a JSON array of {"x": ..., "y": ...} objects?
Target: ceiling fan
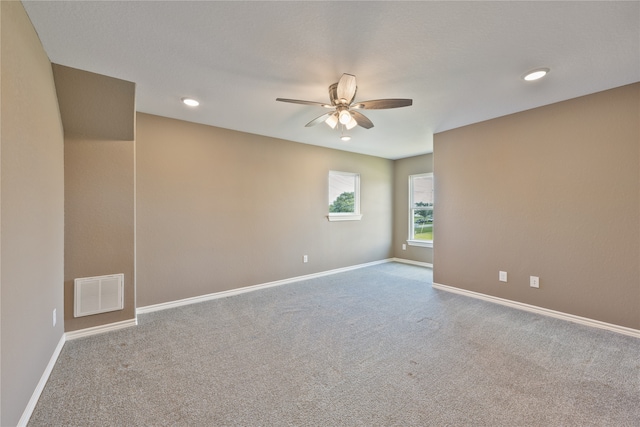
[{"x": 344, "y": 109}]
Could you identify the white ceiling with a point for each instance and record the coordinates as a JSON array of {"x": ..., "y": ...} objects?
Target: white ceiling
[{"x": 461, "y": 62}]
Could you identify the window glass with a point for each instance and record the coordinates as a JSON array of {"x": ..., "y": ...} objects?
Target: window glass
[
  {"x": 421, "y": 207},
  {"x": 344, "y": 197}
]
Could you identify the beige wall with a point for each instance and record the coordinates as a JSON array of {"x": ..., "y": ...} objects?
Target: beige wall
[
  {"x": 99, "y": 221},
  {"x": 219, "y": 209},
  {"x": 94, "y": 106},
  {"x": 99, "y": 185},
  {"x": 404, "y": 168},
  {"x": 31, "y": 217},
  {"x": 551, "y": 192}
]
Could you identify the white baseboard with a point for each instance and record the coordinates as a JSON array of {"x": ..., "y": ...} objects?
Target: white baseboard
[
  {"x": 100, "y": 329},
  {"x": 540, "y": 310},
  {"x": 408, "y": 261},
  {"x": 24, "y": 419},
  {"x": 231, "y": 292}
]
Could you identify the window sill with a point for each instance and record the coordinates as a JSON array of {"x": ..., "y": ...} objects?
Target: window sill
[
  {"x": 344, "y": 217},
  {"x": 421, "y": 243}
]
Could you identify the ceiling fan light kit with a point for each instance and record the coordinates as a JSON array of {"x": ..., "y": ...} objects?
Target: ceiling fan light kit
[
  {"x": 342, "y": 95},
  {"x": 344, "y": 116},
  {"x": 352, "y": 123},
  {"x": 332, "y": 121}
]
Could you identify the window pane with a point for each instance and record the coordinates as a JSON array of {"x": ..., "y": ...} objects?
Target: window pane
[
  {"x": 342, "y": 192},
  {"x": 422, "y": 191},
  {"x": 422, "y": 224},
  {"x": 421, "y": 207}
]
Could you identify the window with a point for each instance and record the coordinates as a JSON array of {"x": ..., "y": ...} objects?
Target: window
[
  {"x": 421, "y": 210},
  {"x": 344, "y": 196}
]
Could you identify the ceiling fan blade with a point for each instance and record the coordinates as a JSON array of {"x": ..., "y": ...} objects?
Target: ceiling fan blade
[
  {"x": 362, "y": 119},
  {"x": 319, "y": 119},
  {"x": 347, "y": 88},
  {"x": 297, "y": 101},
  {"x": 382, "y": 104}
]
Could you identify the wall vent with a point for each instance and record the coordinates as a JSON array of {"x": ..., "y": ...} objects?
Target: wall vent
[{"x": 99, "y": 294}]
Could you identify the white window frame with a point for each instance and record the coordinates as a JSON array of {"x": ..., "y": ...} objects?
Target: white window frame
[
  {"x": 345, "y": 216},
  {"x": 410, "y": 240}
]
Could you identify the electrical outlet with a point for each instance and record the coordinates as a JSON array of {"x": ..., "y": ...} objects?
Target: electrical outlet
[
  {"x": 305, "y": 258},
  {"x": 54, "y": 318},
  {"x": 404, "y": 246},
  {"x": 534, "y": 281},
  {"x": 502, "y": 276}
]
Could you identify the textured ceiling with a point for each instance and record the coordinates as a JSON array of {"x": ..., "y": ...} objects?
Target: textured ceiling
[{"x": 461, "y": 62}]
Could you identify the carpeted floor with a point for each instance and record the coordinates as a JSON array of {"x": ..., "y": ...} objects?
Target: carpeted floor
[{"x": 370, "y": 347}]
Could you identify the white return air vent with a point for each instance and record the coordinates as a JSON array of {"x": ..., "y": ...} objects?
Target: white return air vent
[{"x": 99, "y": 294}]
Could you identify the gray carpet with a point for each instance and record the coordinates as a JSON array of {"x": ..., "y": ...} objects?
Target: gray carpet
[{"x": 370, "y": 347}]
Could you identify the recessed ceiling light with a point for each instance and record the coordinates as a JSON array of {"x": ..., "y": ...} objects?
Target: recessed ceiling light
[
  {"x": 190, "y": 102},
  {"x": 535, "y": 74},
  {"x": 345, "y": 138}
]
